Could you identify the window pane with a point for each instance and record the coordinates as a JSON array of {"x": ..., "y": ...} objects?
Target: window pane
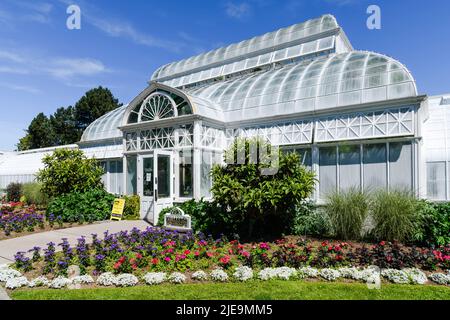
[
  {"x": 131, "y": 175},
  {"x": 375, "y": 166},
  {"x": 209, "y": 158},
  {"x": 400, "y": 165},
  {"x": 327, "y": 170},
  {"x": 185, "y": 171},
  {"x": 147, "y": 179},
  {"x": 163, "y": 176},
  {"x": 112, "y": 177},
  {"x": 436, "y": 181},
  {"x": 349, "y": 167}
]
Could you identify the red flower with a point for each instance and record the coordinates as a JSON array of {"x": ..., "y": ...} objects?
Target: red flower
[
  {"x": 122, "y": 260},
  {"x": 138, "y": 256},
  {"x": 117, "y": 265},
  {"x": 155, "y": 261},
  {"x": 196, "y": 253},
  {"x": 324, "y": 244},
  {"x": 134, "y": 266},
  {"x": 225, "y": 260},
  {"x": 209, "y": 254},
  {"x": 382, "y": 243},
  {"x": 186, "y": 252},
  {"x": 245, "y": 254}
]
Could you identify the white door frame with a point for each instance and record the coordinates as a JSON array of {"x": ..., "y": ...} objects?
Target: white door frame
[{"x": 152, "y": 205}]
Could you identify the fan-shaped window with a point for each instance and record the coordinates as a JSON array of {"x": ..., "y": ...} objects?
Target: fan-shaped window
[{"x": 159, "y": 105}]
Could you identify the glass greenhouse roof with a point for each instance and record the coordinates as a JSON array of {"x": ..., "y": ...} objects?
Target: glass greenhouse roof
[
  {"x": 324, "y": 83},
  {"x": 105, "y": 127},
  {"x": 254, "y": 49}
]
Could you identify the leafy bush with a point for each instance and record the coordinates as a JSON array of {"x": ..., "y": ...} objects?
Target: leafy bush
[
  {"x": 33, "y": 194},
  {"x": 436, "y": 224},
  {"x": 201, "y": 215},
  {"x": 68, "y": 171},
  {"x": 255, "y": 199},
  {"x": 14, "y": 192},
  {"x": 132, "y": 210},
  {"x": 396, "y": 214},
  {"x": 94, "y": 205},
  {"x": 310, "y": 221},
  {"x": 347, "y": 211}
]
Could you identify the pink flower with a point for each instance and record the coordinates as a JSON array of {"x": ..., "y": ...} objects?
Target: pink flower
[
  {"x": 264, "y": 246},
  {"x": 167, "y": 259}
]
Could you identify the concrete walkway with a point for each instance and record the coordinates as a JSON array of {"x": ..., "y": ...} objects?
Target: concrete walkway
[
  {"x": 3, "y": 294},
  {"x": 8, "y": 248}
]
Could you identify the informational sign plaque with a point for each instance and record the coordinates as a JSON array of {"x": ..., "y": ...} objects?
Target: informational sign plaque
[
  {"x": 177, "y": 220},
  {"x": 117, "y": 211}
]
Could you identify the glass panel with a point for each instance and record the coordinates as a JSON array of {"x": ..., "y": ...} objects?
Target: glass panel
[
  {"x": 163, "y": 176},
  {"x": 349, "y": 167},
  {"x": 132, "y": 175},
  {"x": 436, "y": 181},
  {"x": 400, "y": 165},
  {"x": 104, "y": 166},
  {"x": 185, "y": 171},
  {"x": 147, "y": 179},
  {"x": 327, "y": 170},
  {"x": 375, "y": 166},
  {"x": 113, "y": 177}
]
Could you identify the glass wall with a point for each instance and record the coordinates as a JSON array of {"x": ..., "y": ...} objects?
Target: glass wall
[
  {"x": 375, "y": 166},
  {"x": 208, "y": 159},
  {"x": 436, "y": 174},
  {"x": 327, "y": 170},
  {"x": 185, "y": 174},
  {"x": 349, "y": 167},
  {"x": 131, "y": 175},
  {"x": 112, "y": 177},
  {"x": 340, "y": 168}
]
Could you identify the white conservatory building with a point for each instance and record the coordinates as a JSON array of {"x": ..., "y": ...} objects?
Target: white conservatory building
[{"x": 355, "y": 117}]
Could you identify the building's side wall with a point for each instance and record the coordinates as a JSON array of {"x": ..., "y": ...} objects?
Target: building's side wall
[{"x": 436, "y": 149}]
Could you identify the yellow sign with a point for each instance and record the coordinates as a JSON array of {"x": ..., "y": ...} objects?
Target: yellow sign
[{"x": 117, "y": 211}]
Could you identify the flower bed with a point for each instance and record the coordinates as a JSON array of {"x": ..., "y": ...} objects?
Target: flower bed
[
  {"x": 18, "y": 220},
  {"x": 155, "y": 256}
]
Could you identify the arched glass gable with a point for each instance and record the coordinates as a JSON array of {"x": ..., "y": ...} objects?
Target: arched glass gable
[{"x": 160, "y": 104}]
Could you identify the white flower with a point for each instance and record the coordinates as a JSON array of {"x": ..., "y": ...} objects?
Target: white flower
[
  {"x": 152, "y": 278},
  {"x": 8, "y": 273},
  {"x": 219, "y": 275},
  {"x": 39, "y": 282},
  {"x": 200, "y": 276},
  {"x": 126, "y": 280},
  {"x": 284, "y": 273},
  {"x": 177, "y": 278},
  {"x": 106, "y": 279},
  {"x": 59, "y": 283},
  {"x": 85, "y": 279},
  {"x": 329, "y": 274},
  {"x": 395, "y": 276},
  {"x": 349, "y": 273},
  {"x": 440, "y": 278},
  {"x": 15, "y": 283},
  {"x": 369, "y": 275},
  {"x": 308, "y": 272},
  {"x": 416, "y": 276},
  {"x": 243, "y": 273}
]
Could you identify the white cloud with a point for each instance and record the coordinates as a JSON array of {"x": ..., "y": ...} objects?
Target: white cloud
[
  {"x": 20, "y": 88},
  {"x": 11, "y": 56},
  {"x": 69, "y": 68},
  {"x": 32, "y": 11},
  {"x": 237, "y": 10},
  {"x": 13, "y": 70}
]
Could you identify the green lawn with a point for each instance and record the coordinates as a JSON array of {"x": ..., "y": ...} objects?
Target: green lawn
[{"x": 255, "y": 290}]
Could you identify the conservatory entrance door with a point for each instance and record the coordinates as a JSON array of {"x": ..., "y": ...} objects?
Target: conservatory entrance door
[{"x": 156, "y": 176}]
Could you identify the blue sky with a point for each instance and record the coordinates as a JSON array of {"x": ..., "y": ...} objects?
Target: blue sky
[{"x": 43, "y": 65}]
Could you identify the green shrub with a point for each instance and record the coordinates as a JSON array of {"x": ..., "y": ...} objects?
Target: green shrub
[
  {"x": 311, "y": 221},
  {"x": 347, "y": 211},
  {"x": 396, "y": 215},
  {"x": 33, "y": 194},
  {"x": 251, "y": 201},
  {"x": 94, "y": 205},
  {"x": 68, "y": 171},
  {"x": 201, "y": 216},
  {"x": 435, "y": 230},
  {"x": 14, "y": 192},
  {"x": 132, "y": 210}
]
